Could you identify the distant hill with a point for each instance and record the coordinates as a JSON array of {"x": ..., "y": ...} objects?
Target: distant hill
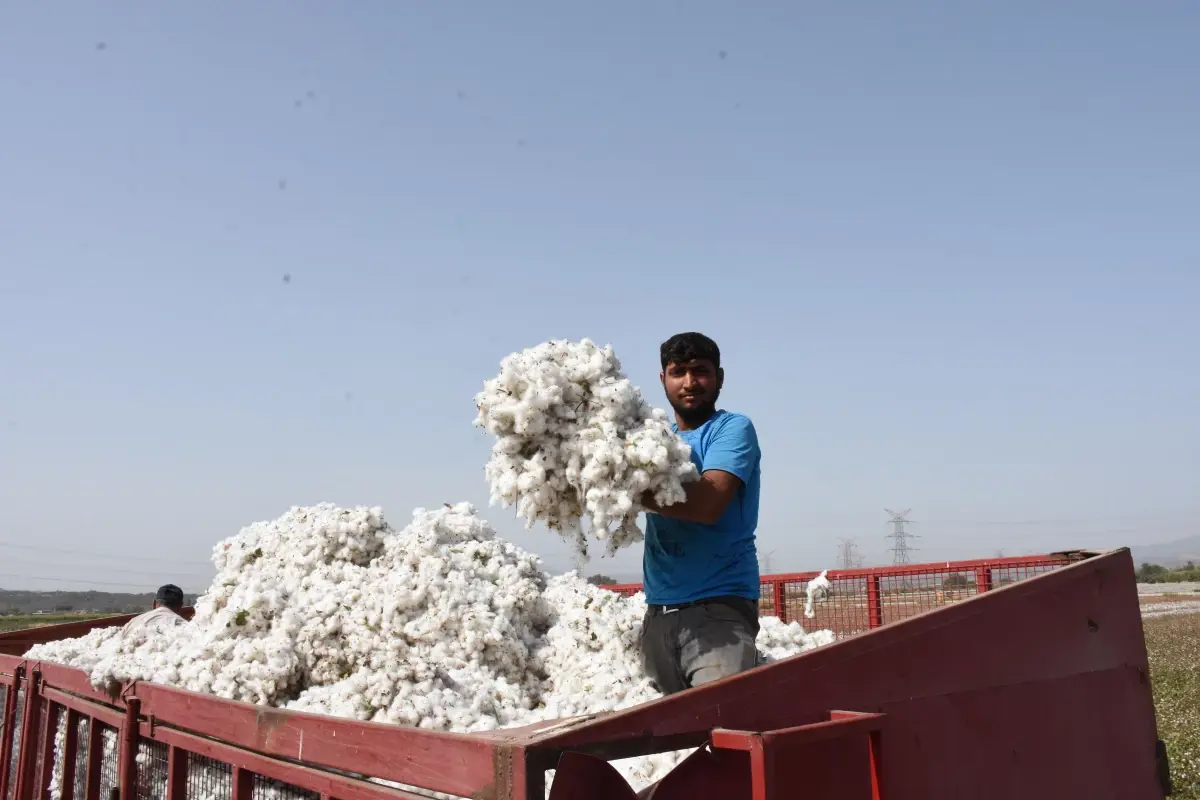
[
  {"x": 17, "y": 601},
  {"x": 1169, "y": 554},
  {"x": 614, "y": 577}
]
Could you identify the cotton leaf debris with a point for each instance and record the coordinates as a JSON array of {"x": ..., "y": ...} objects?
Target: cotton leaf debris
[
  {"x": 577, "y": 441},
  {"x": 441, "y": 625}
]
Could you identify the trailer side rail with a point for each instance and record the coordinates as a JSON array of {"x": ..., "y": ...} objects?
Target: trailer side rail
[
  {"x": 66, "y": 741},
  {"x": 862, "y": 599}
]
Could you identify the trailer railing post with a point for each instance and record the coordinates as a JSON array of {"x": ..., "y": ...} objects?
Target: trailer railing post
[
  {"x": 874, "y": 601},
  {"x": 8, "y": 724},
  {"x": 764, "y": 748},
  {"x": 177, "y": 773},
  {"x": 70, "y": 754},
  {"x": 27, "y": 757},
  {"x": 243, "y": 783},
  {"x": 779, "y": 595},
  {"x": 127, "y": 756},
  {"x": 983, "y": 579},
  {"x": 46, "y": 737},
  {"x": 95, "y": 759}
]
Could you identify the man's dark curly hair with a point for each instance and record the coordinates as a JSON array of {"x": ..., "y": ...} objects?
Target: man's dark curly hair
[{"x": 684, "y": 347}]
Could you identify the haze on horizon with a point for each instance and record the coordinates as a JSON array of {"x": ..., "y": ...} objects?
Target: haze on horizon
[{"x": 261, "y": 256}]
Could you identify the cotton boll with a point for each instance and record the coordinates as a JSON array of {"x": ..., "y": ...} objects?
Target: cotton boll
[
  {"x": 818, "y": 588},
  {"x": 576, "y": 442},
  {"x": 777, "y": 639},
  {"x": 441, "y": 625}
]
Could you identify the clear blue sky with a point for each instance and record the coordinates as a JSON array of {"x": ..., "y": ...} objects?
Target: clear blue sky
[{"x": 950, "y": 252}]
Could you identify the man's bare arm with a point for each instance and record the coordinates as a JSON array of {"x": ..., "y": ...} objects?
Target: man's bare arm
[{"x": 706, "y": 501}]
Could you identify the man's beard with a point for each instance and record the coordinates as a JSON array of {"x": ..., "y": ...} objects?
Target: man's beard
[{"x": 697, "y": 415}]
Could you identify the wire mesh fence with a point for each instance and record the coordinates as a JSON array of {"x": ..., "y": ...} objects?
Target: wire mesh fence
[
  {"x": 209, "y": 778},
  {"x": 153, "y": 769},
  {"x": 109, "y": 772},
  {"x": 82, "y": 738},
  {"x": 862, "y": 599},
  {"x": 271, "y": 789}
]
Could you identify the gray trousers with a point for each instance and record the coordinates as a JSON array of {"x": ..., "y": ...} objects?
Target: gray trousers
[{"x": 699, "y": 643}]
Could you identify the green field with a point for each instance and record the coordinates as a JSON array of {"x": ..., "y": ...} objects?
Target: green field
[
  {"x": 22, "y": 621},
  {"x": 1173, "y": 643}
]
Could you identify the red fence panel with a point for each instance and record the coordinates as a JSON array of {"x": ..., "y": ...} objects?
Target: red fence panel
[
  {"x": 861, "y": 599},
  {"x": 63, "y": 739}
]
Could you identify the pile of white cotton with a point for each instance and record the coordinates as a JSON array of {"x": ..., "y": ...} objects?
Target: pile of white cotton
[
  {"x": 577, "y": 441},
  {"x": 442, "y": 625}
]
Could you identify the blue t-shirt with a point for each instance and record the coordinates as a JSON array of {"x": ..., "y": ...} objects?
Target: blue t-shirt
[{"x": 688, "y": 561}]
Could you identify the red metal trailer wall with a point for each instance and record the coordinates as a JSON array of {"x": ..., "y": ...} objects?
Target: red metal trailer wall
[
  {"x": 1040, "y": 692},
  {"x": 167, "y": 743}
]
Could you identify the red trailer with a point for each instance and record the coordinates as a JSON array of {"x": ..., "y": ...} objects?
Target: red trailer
[{"x": 1005, "y": 678}]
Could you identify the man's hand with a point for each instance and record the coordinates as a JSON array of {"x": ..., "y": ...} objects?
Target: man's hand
[{"x": 706, "y": 500}]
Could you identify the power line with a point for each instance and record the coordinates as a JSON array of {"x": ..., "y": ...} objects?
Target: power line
[
  {"x": 73, "y": 580},
  {"x": 1172, "y": 520},
  {"x": 1157, "y": 534},
  {"x": 900, "y": 535},
  {"x": 119, "y": 556},
  {"x": 105, "y": 568}
]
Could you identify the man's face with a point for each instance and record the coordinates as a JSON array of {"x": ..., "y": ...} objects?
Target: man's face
[{"x": 693, "y": 388}]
